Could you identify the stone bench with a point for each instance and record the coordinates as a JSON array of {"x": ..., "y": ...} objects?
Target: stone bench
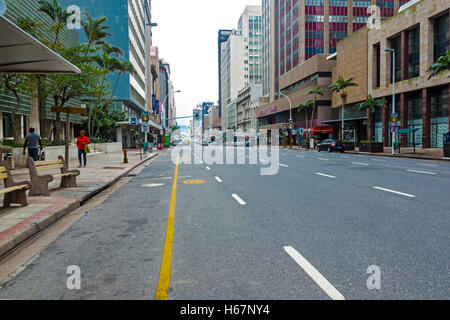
[
  {"x": 39, "y": 184},
  {"x": 13, "y": 192}
]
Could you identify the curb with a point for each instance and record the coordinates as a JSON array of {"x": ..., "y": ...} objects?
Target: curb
[{"x": 15, "y": 240}]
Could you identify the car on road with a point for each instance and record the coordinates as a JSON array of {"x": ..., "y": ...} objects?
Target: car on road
[{"x": 331, "y": 145}]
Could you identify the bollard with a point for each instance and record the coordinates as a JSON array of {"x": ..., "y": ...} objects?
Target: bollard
[{"x": 125, "y": 159}]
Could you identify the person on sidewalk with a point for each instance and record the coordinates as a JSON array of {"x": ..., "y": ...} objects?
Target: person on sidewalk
[
  {"x": 82, "y": 142},
  {"x": 33, "y": 141}
]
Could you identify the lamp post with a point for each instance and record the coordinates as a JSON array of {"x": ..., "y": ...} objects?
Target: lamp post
[
  {"x": 393, "y": 93},
  {"x": 290, "y": 118}
]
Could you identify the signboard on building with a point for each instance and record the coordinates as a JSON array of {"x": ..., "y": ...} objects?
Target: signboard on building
[
  {"x": 267, "y": 110},
  {"x": 133, "y": 121}
]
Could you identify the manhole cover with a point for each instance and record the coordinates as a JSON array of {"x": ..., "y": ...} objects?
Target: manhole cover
[{"x": 113, "y": 168}]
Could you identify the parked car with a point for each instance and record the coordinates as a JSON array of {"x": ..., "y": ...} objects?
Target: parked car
[{"x": 330, "y": 146}]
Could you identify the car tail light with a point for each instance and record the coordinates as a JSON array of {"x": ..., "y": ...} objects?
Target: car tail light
[{"x": 333, "y": 144}]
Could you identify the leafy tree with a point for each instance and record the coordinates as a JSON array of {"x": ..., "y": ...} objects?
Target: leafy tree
[
  {"x": 371, "y": 104},
  {"x": 12, "y": 84},
  {"x": 340, "y": 86},
  {"x": 59, "y": 16},
  {"x": 442, "y": 64},
  {"x": 317, "y": 91},
  {"x": 305, "y": 106}
]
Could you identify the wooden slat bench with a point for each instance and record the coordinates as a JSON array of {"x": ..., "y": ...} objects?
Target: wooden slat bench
[
  {"x": 39, "y": 184},
  {"x": 14, "y": 192}
]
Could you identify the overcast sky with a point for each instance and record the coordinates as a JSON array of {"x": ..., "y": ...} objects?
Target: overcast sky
[{"x": 186, "y": 36}]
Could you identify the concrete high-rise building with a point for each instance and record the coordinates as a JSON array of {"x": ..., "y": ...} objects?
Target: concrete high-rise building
[
  {"x": 222, "y": 38},
  {"x": 301, "y": 29},
  {"x": 241, "y": 62},
  {"x": 232, "y": 72},
  {"x": 266, "y": 62}
]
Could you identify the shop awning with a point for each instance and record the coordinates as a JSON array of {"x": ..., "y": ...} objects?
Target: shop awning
[
  {"x": 319, "y": 130},
  {"x": 23, "y": 54}
]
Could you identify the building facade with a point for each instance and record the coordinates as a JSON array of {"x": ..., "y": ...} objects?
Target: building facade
[
  {"x": 266, "y": 58},
  {"x": 222, "y": 38},
  {"x": 303, "y": 34},
  {"x": 241, "y": 62},
  {"x": 419, "y": 35},
  {"x": 126, "y": 19},
  {"x": 247, "y": 102}
]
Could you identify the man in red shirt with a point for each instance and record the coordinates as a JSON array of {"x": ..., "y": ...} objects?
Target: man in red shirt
[{"x": 82, "y": 142}]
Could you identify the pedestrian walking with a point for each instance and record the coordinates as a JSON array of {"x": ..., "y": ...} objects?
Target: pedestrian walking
[
  {"x": 83, "y": 148},
  {"x": 32, "y": 141}
]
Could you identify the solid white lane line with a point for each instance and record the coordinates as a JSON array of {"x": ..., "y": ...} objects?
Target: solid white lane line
[
  {"x": 318, "y": 278},
  {"x": 323, "y": 159},
  {"x": 219, "y": 180},
  {"x": 238, "y": 199},
  {"x": 300, "y": 156},
  {"x": 325, "y": 175},
  {"x": 427, "y": 164},
  {"x": 396, "y": 192},
  {"x": 208, "y": 168},
  {"x": 283, "y": 165},
  {"x": 360, "y": 164},
  {"x": 423, "y": 172}
]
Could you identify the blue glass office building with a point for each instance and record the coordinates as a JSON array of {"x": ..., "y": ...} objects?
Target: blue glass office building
[{"x": 126, "y": 19}]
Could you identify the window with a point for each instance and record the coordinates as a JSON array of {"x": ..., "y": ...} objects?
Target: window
[
  {"x": 378, "y": 65},
  {"x": 396, "y": 45},
  {"x": 413, "y": 53},
  {"x": 441, "y": 36}
]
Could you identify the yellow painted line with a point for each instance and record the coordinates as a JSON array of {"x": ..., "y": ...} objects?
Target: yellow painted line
[{"x": 162, "y": 292}]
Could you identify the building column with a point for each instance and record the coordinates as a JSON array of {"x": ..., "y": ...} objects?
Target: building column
[
  {"x": 404, "y": 118},
  {"x": 426, "y": 121},
  {"x": 404, "y": 55},
  {"x": 369, "y": 127},
  {"x": 385, "y": 121}
]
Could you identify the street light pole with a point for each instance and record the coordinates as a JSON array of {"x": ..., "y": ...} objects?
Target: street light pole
[
  {"x": 393, "y": 94},
  {"x": 290, "y": 117}
]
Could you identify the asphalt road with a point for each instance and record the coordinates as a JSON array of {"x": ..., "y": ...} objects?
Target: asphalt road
[{"x": 309, "y": 232}]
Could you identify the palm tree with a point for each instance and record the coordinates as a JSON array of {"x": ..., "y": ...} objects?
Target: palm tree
[
  {"x": 305, "y": 107},
  {"x": 442, "y": 64},
  {"x": 339, "y": 86},
  {"x": 371, "y": 104},
  {"x": 95, "y": 29},
  {"x": 59, "y": 16},
  {"x": 317, "y": 91}
]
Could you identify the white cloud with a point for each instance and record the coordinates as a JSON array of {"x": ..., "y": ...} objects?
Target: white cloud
[{"x": 186, "y": 36}]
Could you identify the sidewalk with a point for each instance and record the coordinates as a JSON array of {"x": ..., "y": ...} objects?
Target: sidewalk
[
  {"x": 17, "y": 224},
  {"x": 425, "y": 154}
]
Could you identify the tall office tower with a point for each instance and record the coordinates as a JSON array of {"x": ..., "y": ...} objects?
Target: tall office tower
[
  {"x": 266, "y": 63},
  {"x": 304, "y": 28},
  {"x": 251, "y": 26},
  {"x": 241, "y": 62},
  {"x": 222, "y": 38}
]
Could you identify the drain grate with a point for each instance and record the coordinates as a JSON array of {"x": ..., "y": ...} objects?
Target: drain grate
[{"x": 113, "y": 168}]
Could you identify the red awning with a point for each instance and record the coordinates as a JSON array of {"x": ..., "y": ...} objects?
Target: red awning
[{"x": 320, "y": 130}]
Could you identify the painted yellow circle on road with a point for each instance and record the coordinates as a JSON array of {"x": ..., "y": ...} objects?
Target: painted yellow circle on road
[{"x": 194, "y": 181}]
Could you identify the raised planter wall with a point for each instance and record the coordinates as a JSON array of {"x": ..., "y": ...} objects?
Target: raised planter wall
[
  {"x": 52, "y": 153},
  {"x": 110, "y": 147},
  {"x": 446, "y": 150},
  {"x": 371, "y": 147},
  {"x": 349, "y": 146}
]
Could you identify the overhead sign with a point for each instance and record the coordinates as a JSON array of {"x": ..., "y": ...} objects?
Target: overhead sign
[
  {"x": 68, "y": 110},
  {"x": 394, "y": 117},
  {"x": 133, "y": 121}
]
